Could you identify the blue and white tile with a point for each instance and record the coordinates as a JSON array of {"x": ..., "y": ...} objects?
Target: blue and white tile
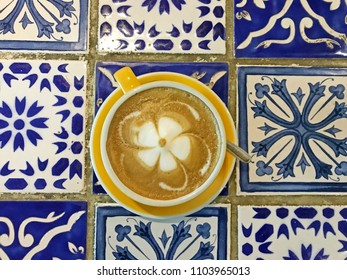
[
  {"x": 164, "y": 26},
  {"x": 122, "y": 235},
  {"x": 292, "y": 121},
  {"x": 42, "y": 126},
  {"x": 43, "y": 230},
  {"x": 301, "y": 28},
  {"x": 292, "y": 232},
  {"x": 52, "y": 25},
  {"x": 214, "y": 75}
]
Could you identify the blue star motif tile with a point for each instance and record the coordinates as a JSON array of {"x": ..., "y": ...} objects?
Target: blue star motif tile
[
  {"x": 292, "y": 232},
  {"x": 43, "y": 230},
  {"x": 42, "y": 126},
  {"x": 122, "y": 235},
  {"x": 164, "y": 26},
  {"x": 291, "y": 120},
  {"x": 214, "y": 75},
  {"x": 301, "y": 28},
  {"x": 53, "y": 25}
]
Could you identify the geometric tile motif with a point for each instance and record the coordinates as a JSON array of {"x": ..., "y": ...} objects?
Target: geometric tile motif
[
  {"x": 292, "y": 232},
  {"x": 302, "y": 28},
  {"x": 53, "y": 25},
  {"x": 122, "y": 235},
  {"x": 165, "y": 26},
  {"x": 214, "y": 75},
  {"x": 42, "y": 116},
  {"x": 43, "y": 230},
  {"x": 292, "y": 121}
]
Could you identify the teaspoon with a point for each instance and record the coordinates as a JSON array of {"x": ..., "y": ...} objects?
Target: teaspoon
[{"x": 238, "y": 152}]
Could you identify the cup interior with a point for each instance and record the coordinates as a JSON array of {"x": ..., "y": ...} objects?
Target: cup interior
[{"x": 105, "y": 157}]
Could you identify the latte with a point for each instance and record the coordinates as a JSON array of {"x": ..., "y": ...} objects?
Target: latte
[{"x": 163, "y": 143}]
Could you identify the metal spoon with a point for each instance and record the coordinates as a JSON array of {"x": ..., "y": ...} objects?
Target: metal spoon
[{"x": 238, "y": 152}]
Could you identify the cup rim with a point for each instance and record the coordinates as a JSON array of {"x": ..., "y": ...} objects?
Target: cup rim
[{"x": 132, "y": 194}]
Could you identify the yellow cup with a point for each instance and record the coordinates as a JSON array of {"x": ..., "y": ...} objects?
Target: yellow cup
[{"x": 131, "y": 85}]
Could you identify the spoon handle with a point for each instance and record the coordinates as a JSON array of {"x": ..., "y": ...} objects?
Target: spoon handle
[{"x": 238, "y": 152}]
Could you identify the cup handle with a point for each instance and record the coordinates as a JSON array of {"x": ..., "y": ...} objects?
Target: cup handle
[{"x": 126, "y": 79}]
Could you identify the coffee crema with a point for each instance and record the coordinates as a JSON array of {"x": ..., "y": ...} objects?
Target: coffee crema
[{"x": 163, "y": 143}]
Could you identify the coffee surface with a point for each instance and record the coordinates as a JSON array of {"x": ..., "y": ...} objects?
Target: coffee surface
[{"x": 163, "y": 143}]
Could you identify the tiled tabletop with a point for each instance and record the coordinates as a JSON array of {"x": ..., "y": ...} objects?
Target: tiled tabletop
[
  {"x": 37, "y": 230},
  {"x": 53, "y": 25},
  {"x": 280, "y": 68},
  {"x": 292, "y": 232},
  {"x": 122, "y": 235},
  {"x": 42, "y": 126},
  {"x": 299, "y": 28},
  {"x": 175, "y": 26},
  {"x": 299, "y": 114}
]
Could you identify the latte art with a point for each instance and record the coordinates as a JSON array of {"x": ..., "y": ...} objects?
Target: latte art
[{"x": 163, "y": 143}]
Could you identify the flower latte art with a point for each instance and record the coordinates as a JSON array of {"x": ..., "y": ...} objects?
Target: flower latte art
[{"x": 163, "y": 143}]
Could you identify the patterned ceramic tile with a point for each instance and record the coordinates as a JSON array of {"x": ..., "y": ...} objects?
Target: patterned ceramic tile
[
  {"x": 213, "y": 74},
  {"x": 43, "y": 230},
  {"x": 170, "y": 26},
  {"x": 292, "y": 121},
  {"x": 292, "y": 233},
  {"x": 53, "y": 25},
  {"x": 122, "y": 235},
  {"x": 42, "y": 112},
  {"x": 288, "y": 28}
]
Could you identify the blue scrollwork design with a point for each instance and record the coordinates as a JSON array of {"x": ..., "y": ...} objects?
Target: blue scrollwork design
[
  {"x": 300, "y": 128},
  {"x": 45, "y": 26},
  {"x": 174, "y": 242}
]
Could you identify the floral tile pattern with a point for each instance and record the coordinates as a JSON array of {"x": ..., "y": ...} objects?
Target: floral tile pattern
[
  {"x": 215, "y": 75},
  {"x": 53, "y": 25},
  {"x": 299, "y": 115},
  {"x": 292, "y": 232},
  {"x": 302, "y": 28},
  {"x": 162, "y": 26},
  {"x": 122, "y": 235},
  {"x": 42, "y": 115},
  {"x": 43, "y": 230}
]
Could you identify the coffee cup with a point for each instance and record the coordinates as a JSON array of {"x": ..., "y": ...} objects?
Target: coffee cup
[{"x": 163, "y": 142}]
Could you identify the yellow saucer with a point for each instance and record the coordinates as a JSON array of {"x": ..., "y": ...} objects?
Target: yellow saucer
[{"x": 173, "y": 211}]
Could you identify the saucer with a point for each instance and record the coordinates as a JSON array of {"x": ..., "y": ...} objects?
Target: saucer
[{"x": 172, "y": 211}]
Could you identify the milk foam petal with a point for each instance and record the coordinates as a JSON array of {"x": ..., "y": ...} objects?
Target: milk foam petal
[
  {"x": 168, "y": 128},
  {"x": 147, "y": 135},
  {"x": 150, "y": 156},
  {"x": 134, "y": 171},
  {"x": 200, "y": 154},
  {"x": 182, "y": 175},
  {"x": 167, "y": 161},
  {"x": 175, "y": 180},
  {"x": 180, "y": 147}
]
